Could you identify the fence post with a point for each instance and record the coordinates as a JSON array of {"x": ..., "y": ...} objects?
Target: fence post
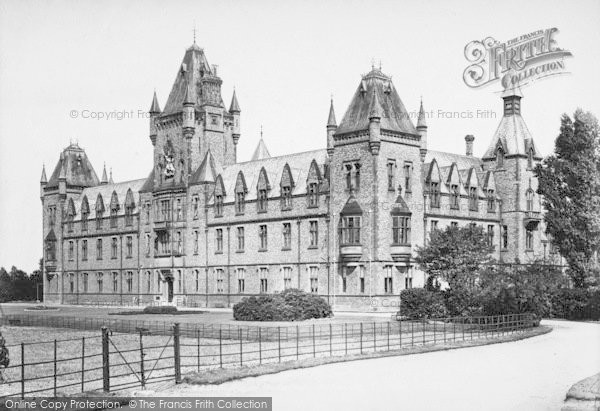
[
  {"x": 279, "y": 342},
  {"x": 220, "y": 347},
  {"x": 241, "y": 349},
  {"x": 82, "y": 363},
  {"x": 400, "y": 333},
  {"x": 346, "y": 338},
  {"x": 463, "y": 327},
  {"x": 434, "y": 333},
  {"x": 297, "y": 342},
  {"x": 374, "y": 337},
  {"x": 412, "y": 333},
  {"x": 22, "y": 370},
  {"x": 260, "y": 345},
  {"x": 444, "y": 325},
  {"x": 361, "y": 336},
  {"x": 453, "y": 328},
  {"x": 55, "y": 370},
  {"x": 177, "y": 351},
  {"x": 105, "y": 361},
  {"x": 423, "y": 331},
  {"x": 142, "y": 374}
]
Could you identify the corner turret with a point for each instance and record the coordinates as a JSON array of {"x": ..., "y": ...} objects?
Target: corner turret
[
  {"x": 331, "y": 128},
  {"x": 422, "y": 130}
]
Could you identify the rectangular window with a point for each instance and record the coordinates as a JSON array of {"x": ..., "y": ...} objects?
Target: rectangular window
[
  {"x": 129, "y": 246},
  {"x": 434, "y": 193},
  {"x": 401, "y": 230},
  {"x": 179, "y": 243},
  {"x": 128, "y": 216},
  {"x": 71, "y": 249},
  {"x": 408, "y": 281},
  {"x": 454, "y": 197},
  {"x": 240, "y": 202},
  {"x": 262, "y": 234},
  {"x": 148, "y": 282},
  {"x": 197, "y": 278},
  {"x": 286, "y": 198},
  {"x": 70, "y": 223},
  {"x": 71, "y": 284},
  {"x": 148, "y": 209},
  {"x": 491, "y": 201},
  {"x": 241, "y": 276},
  {"x": 196, "y": 241},
  {"x": 313, "y": 194},
  {"x": 287, "y": 277},
  {"x": 148, "y": 244},
  {"x": 113, "y": 217},
  {"x": 264, "y": 282},
  {"x": 529, "y": 238},
  {"x": 115, "y": 281},
  {"x": 408, "y": 177},
  {"x": 100, "y": 281},
  {"x": 387, "y": 281},
  {"x": 220, "y": 280},
  {"x": 84, "y": 250},
  {"x": 178, "y": 210},
  {"x": 219, "y": 238},
  {"x": 361, "y": 279},
  {"x": 196, "y": 206},
  {"x": 490, "y": 235},
  {"x": 179, "y": 281},
  {"x": 391, "y": 166},
  {"x": 262, "y": 201},
  {"x": 287, "y": 236},
  {"x": 241, "y": 239},
  {"x": 129, "y": 281},
  {"x": 314, "y": 233},
  {"x": 473, "y": 206},
  {"x": 218, "y": 205},
  {"x": 454, "y": 224},
  {"x": 84, "y": 221},
  {"x": 52, "y": 216},
  {"x": 350, "y": 230},
  {"x": 165, "y": 210},
  {"x": 85, "y": 282},
  {"x": 314, "y": 280},
  {"x": 99, "y": 249},
  {"x": 99, "y": 220},
  {"x": 114, "y": 248},
  {"x": 504, "y": 237},
  {"x": 434, "y": 224}
]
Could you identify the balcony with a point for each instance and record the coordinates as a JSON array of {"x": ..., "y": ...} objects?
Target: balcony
[
  {"x": 532, "y": 219},
  {"x": 350, "y": 252},
  {"x": 400, "y": 252}
]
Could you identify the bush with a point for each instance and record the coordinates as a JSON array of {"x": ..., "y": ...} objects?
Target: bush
[
  {"x": 420, "y": 303},
  {"x": 290, "y": 305},
  {"x": 159, "y": 309},
  {"x": 576, "y": 304},
  {"x": 4, "y": 359}
]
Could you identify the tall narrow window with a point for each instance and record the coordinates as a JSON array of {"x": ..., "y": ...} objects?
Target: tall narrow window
[
  {"x": 71, "y": 249},
  {"x": 50, "y": 250},
  {"x": 71, "y": 284},
  {"x": 491, "y": 201},
  {"x": 115, "y": 281},
  {"x": 530, "y": 158},
  {"x": 148, "y": 244},
  {"x": 179, "y": 282},
  {"x": 287, "y": 236},
  {"x": 219, "y": 239},
  {"x": 114, "y": 247},
  {"x": 179, "y": 243},
  {"x": 197, "y": 279},
  {"x": 129, "y": 281},
  {"x": 262, "y": 201},
  {"x": 500, "y": 157},
  {"x": 388, "y": 284},
  {"x": 314, "y": 280},
  {"x": 113, "y": 216},
  {"x": 314, "y": 233},
  {"x": 401, "y": 230},
  {"x": 348, "y": 170},
  {"x": 529, "y": 238},
  {"x": 473, "y": 200},
  {"x": 313, "y": 194},
  {"x": 148, "y": 282},
  {"x": 287, "y": 277},
  {"x": 148, "y": 210},
  {"x": 241, "y": 276},
  {"x": 350, "y": 230},
  {"x": 454, "y": 196},
  {"x": 344, "y": 282},
  {"x": 434, "y": 194},
  {"x": 286, "y": 197},
  {"x": 84, "y": 220},
  {"x": 218, "y": 205},
  {"x": 196, "y": 241},
  {"x": 240, "y": 202},
  {"x": 85, "y": 282},
  {"x": 490, "y": 235},
  {"x": 361, "y": 279},
  {"x": 408, "y": 280},
  {"x": 529, "y": 199},
  {"x": 128, "y": 215},
  {"x": 434, "y": 225},
  {"x": 84, "y": 250},
  {"x": 220, "y": 280},
  {"x": 100, "y": 282},
  {"x": 357, "y": 176},
  {"x": 504, "y": 237},
  {"x": 264, "y": 282},
  {"x": 408, "y": 177},
  {"x": 178, "y": 210},
  {"x": 196, "y": 206},
  {"x": 391, "y": 166},
  {"x": 129, "y": 246},
  {"x": 99, "y": 249},
  {"x": 262, "y": 233},
  {"x": 241, "y": 239}
]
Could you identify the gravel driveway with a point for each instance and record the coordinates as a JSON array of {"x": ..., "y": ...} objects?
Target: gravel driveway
[{"x": 532, "y": 374}]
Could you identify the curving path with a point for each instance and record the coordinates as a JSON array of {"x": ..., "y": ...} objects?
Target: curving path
[{"x": 532, "y": 374}]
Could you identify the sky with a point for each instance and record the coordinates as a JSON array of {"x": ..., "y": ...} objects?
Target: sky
[{"x": 286, "y": 61}]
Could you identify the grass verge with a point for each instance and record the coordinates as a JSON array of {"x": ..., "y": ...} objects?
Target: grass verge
[{"x": 221, "y": 375}]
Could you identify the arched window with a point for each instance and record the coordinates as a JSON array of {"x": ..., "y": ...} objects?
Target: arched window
[
  {"x": 500, "y": 157},
  {"x": 529, "y": 198}
]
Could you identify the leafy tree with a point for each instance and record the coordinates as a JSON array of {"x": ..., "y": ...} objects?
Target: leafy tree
[
  {"x": 455, "y": 255},
  {"x": 569, "y": 181}
]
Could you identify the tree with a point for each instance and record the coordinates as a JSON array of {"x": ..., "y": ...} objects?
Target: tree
[
  {"x": 455, "y": 255},
  {"x": 569, "y": 181}
]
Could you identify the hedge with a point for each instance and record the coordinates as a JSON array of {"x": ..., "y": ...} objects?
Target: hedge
[{"x": 289, "y": 305}]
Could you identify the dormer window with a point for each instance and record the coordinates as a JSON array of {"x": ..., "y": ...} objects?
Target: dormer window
[
  {"x": 313, "y": 194},
  {"x": 129, "y": 215},
  {"x": 286, "y": 197},
  {"x": 434, "y": 194},
  {"x": 218, "y": 205},
  {"x": 491, "y": 201},
  {"x": 113, "y": 217},
  {"x": 473, "y": 204},
  {"x": 262, "y": 201},
  {"x": 84, "y": 220},
  {"x": 240, "y": 202},
  {"x": 454, "y": 196}
]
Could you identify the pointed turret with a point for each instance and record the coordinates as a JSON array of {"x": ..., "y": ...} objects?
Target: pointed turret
[
  {"x": 261, "y": 150},
  {"x": 422, "y": 130},
  {"x": 234, "y": 107},
  {"x": 104, "y": 176},
  {"x": 154, "y": 107},
  {"x": 154, "y": 112},
  {"x": 73, "y": 169},
  {"x": 331, "y": 128},
  {"x": 43, "y": 179}
]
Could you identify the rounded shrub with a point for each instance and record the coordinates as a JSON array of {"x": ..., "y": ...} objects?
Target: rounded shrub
[
  {"x": 420, "y": 303},
  {"x": 164, "y": 309},
  {"x": 289, "y": 305}
]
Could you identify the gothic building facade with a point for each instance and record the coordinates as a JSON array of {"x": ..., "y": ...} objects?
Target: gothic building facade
[{"x": 204, "y": 229}]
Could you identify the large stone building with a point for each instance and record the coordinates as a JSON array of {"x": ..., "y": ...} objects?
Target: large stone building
[{"x": 343, "y": 222}]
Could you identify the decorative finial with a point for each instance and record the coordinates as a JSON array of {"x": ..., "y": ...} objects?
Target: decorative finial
[
  {"x": 373, "y": 63},
  {"x": 261, "y": 131},
  {"x": 194, "y": 31}
]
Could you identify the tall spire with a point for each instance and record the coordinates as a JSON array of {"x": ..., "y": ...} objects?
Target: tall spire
[
  {"x": 43, "y": 179},
  {"x": 421, "y": 122},
  {"x": 154, "y": 108},
  {"x": 261, "y": 150},
  {"x": 235, "y": 106},
  {"x": 104, "y": 176},
  {"x": 331, "y": 120}
]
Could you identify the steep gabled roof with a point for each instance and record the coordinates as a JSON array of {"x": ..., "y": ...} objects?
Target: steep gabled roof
[
  {"x": 75, "y": 167},
  {"x": 446, "y": 159},
  {"x": 208, "y": 171},
  {"x": 376, "y": 86},
  {"x": 514, "y": 137},
  {"x": 352, "y": 207},
  {"x": 111, "y": 194},
  {"x": 261, "y": 151}
]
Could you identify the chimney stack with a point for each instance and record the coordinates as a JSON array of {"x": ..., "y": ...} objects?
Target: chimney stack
[{"x": 469, "y": 140}]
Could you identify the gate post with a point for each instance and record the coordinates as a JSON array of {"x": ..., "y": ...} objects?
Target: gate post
[
  {"x": 105, "y": 361},
  {"x": 177, "y": 358}
]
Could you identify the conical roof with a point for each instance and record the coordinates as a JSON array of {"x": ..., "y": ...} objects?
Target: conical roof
[
  {"x": 261, "y": 151},
  {"x": 379, "y": 87},
  {"x": 235, "y": 106},
  {"x": 43, "y": 178},
  {"x": 331, "y": 120},
  {"x": 75, "y": 168},
  {"x": 421, "y": 121},
  {"x": 154, "y": 108}
]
